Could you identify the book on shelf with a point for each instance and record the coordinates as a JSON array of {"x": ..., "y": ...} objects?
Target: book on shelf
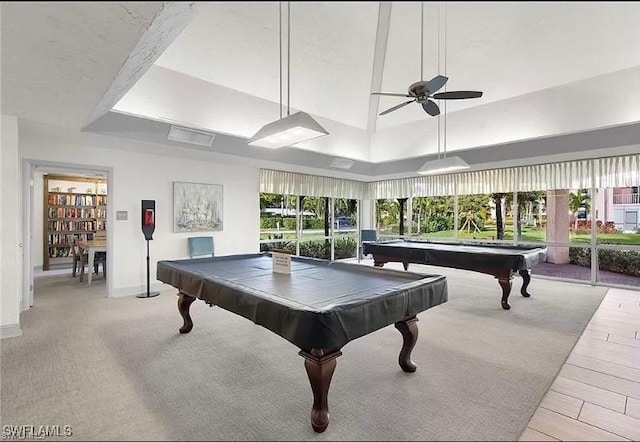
[{"x": 71, "y": 215}]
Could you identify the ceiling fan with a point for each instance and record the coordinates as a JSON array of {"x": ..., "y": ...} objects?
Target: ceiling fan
[{"x": 423, "y": 91}]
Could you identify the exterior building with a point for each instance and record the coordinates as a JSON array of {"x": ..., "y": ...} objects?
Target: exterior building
[{"x": 620, "y": 205}]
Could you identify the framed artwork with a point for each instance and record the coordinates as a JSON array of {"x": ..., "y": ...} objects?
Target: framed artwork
[{"x": 197, "y": 207}]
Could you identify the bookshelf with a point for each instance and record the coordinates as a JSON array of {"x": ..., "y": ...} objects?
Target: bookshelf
[{"x": 73, "y": 207}]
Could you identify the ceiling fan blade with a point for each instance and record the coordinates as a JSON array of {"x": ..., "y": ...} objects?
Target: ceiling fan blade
[
  {"x": 391, "y": 109},
  {"x": 431, "y": 108},
  {"x": 389, "y": 94},
  {"x": 457, "y": 95},
  {"x": 436, "y": 83}
]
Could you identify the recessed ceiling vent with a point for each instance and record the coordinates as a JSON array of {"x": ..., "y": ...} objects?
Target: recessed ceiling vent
[
  {"x": 342, "y": 163},
  {"x": 190, "y": 136}
]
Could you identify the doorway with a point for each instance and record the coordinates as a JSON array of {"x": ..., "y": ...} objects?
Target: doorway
[
  {"x": 630, "y": 221},
  {"x": 65, "y": 205}
]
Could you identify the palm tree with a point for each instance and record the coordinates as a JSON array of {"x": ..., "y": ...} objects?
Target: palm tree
[
  {"x": 473, "y": 209},
  {"x": 402, "y": 202},
  {"x": 578, "y": 200},
  {"x": 534, "y": 205},
  {"x": 385, "y": 210},
  {"x": 313, "y": 204},
  {"x": 497, "y": 200},
  {"x": 523, "y": 200},
  {"x": 270, "y": 200},
  {"x": 421, "y": 207}
]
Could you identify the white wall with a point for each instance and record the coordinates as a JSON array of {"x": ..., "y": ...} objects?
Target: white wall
[
  {"x": 136, "y": 176},
  {"x": 37, "y": 222},
  {"x": 11, "y": 214}
]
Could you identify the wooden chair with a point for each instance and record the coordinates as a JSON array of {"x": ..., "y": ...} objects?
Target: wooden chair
[
  {"x": 78, "y": 259},
  {"x": 200, "y": 246},
  {"x": 100, "y": 258}
]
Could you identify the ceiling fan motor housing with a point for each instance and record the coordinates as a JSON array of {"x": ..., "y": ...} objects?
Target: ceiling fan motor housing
[{"x": 418, "y": 89}]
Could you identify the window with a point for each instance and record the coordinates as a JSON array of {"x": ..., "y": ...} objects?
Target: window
[
  {"x": 432, "y": 217},
  {"x": 388, "y": 218},
  {"x": 277, "y": 222},
  {"x": 317, "y": 227}
]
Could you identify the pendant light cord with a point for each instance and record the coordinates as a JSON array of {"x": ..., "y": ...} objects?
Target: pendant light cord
[
  {"x": 421, "y": 41},
  {"x": 439, "y": 120},
  {"x": 444, "y": 9},
  {"x": 280, "y": 46},
  {"x": 288, "y": 56}
]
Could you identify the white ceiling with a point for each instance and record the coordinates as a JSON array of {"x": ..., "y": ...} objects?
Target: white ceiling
[
  {"x": 64, "y": 62},
  {"x": 503, "y": 49},
  {"x": 545, "y": 68}
]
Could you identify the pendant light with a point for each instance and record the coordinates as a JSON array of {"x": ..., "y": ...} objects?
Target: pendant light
[
  {"x": 444, "y": 164},
  {"x": 291, "y": 129}
]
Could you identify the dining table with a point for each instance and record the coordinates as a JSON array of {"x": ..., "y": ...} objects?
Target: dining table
[{"x": 91, "y": 247}]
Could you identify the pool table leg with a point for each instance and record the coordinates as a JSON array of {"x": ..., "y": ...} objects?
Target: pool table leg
[
  {"x": 320, "y": 368},
  {"x": 382, "y": 263},
  {"x": 409, "y": 330},
  {"x": 505, "y": 283},
  {"x": 526, "y": 279},
  {"x": 184, "y": 302}
]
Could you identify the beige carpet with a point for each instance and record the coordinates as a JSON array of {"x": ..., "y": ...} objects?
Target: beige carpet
[{"x": 116, "y": 369}]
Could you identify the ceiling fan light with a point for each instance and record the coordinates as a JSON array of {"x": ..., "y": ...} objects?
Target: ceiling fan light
[
  {"x": 287, "y": 131},
  {"x": 443, "y": 165}
]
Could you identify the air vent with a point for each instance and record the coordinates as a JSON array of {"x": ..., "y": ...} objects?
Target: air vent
[
  {"x": 190, "y": 136},
  {"x": 342, "y": 163}
]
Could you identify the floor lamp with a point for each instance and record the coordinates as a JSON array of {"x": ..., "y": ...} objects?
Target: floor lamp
[{"x": 148, "y": 227}]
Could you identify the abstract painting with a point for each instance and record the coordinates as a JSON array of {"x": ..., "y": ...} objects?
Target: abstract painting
[{"x": 197, "y": 207}]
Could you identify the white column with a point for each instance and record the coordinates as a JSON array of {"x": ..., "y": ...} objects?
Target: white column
[
  {"x": 558, "y": 225},
  {"x": 367, "y": 214}
]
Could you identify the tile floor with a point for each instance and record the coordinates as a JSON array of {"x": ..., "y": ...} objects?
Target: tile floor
[{"x": 596, "y": 395}]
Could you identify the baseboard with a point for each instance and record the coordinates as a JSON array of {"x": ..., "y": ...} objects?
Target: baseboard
[
  {"x": 10, "y": 331},
  {"x": 136, "y": 290}
]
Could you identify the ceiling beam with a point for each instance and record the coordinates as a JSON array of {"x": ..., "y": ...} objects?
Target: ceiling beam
[
  {"x": 379, "y": 56},
  {"x": 168, "y": 23}
]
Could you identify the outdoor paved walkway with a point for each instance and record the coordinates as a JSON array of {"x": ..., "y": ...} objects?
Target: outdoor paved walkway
[{"x": 572, "y": 271}]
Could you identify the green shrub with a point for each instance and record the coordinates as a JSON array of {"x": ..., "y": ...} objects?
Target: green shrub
[
  {"x": 345, "y": 248},
  {"x": 270, "y": 222},
  {"x": 581, "y": 257},
  {"x": 316, "y": 249},
  {"x": 288, "y": 246},
  {"x": 438, "y": 223},
  {"x": 289, "y": 224},
  {"x": 619, "y": 261},
  {"x": 313, "y": 223}
]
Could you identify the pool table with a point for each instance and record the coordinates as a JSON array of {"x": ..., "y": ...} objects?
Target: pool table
[
  {"x": 501, "y": 261},
  {"x": 319, "y": 307}
]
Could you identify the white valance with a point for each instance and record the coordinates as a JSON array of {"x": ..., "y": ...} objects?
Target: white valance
[
  {"x": 621, "y": 171},
  {"x": 291, "y": 183},
  {"x": 565, "y": 175},
  {"x": 437, "y": 185},
  {"x": 618, "y": 171},
  {"x": 486, "y": 181}
]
